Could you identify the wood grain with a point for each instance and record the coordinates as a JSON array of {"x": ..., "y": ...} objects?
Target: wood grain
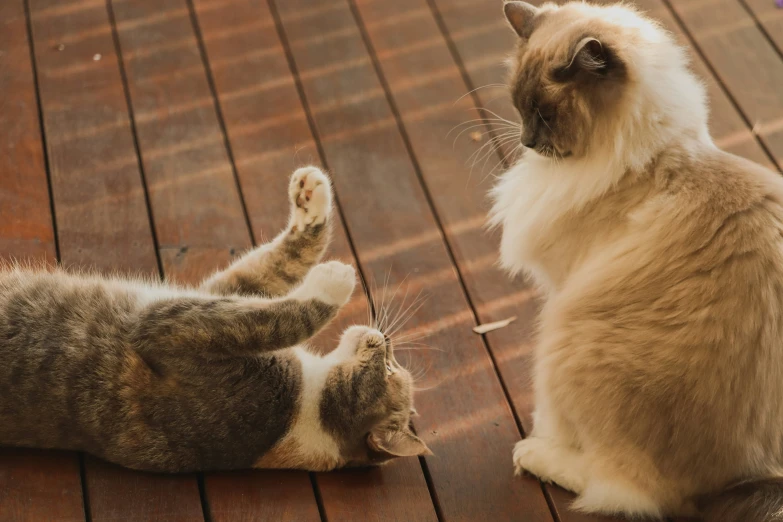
[
  {"x": 39, "y": 485},
  {"x": 25, "y": 219},
  {"x": 284, "y": 496},
  {"x": 771, "y": 19},
  {"x": 194, "y": 198},
  {"x": 102, "y": 218},
  {"x": 117, "y": 493},
  {"x": 465, "y": 418},
  {"x": 269, "y": 135}
]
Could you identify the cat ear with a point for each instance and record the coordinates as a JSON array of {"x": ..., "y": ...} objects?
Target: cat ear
[
  {"x": 520, "y": 16},
  {"x": 590, "y": 55},
  {"x": 397, "y": 443}
]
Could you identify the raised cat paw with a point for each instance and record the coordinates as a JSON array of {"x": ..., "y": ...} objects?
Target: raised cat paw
[
  {"x": 311, "y": 197},
  {"x": 331, "y": 282}
]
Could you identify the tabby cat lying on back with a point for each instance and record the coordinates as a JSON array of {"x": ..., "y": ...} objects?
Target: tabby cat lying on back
[
  {"x": 162, "y": 378},
  {"x": 659, "y": 364}
]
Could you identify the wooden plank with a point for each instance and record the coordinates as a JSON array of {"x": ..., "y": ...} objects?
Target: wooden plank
[
  {"x": 25, "y": 218},
  {"x": 745, "y": 61},
  {"x": 101, "y": 210},
  {"x": 284, "y": 496},
  {"x": 40, "y": 485},
  {"x": 197, "y": 210},
  {"x": 465, "y": 419},
  {"x": 770, "y": 17},
  {"x": 269, "y": 134},
  {"x": 101, "y": 213},
  {"x": 117, "y": 493},
  {"x": 34, "y": 485}
]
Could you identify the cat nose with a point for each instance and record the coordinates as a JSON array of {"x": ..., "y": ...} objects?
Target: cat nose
[{"x": 530, "y": 144}]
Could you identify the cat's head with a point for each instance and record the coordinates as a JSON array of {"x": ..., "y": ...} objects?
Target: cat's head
[
  {"x": 589, "y": 80},
  {"x": 367, "y": 400},
  {"x": 354, "y": 408}
]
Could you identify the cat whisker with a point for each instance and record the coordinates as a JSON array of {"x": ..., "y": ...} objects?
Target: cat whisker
[
  {"x": 496, "y": 145},
  {"x": 488, "y": 144},
  {"x": 400, "y": 317},
  {"x": 479, "y": 88},
  {"x": 496, "y": 115},
  {"x": 490, "y": 131}
]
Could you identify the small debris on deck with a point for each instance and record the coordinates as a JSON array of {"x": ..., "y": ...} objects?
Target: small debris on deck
[
  {"x": 489, "y": 327},
  {"x": 475, "y": 136}
]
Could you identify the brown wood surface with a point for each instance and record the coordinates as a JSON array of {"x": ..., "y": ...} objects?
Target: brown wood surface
[
  {"x": 770, "y": 17},
  {"x": 465, "y": 418},
  {"x": 269, "y": 135},
  {"x": 40, "y": 485},
  {"x": 744, "y": 60},
  {"x": 117, "y": 493},
  {"x": 282, "y": 496},
  {"x": 25, "y": 218},
  {"x": 195, "y": 203},
  {"x": 99, "y": 200}
]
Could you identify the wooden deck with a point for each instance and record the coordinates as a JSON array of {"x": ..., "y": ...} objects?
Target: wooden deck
[{"x": 156, "y": 136}]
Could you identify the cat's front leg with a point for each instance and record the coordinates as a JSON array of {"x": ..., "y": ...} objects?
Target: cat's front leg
[
  {"x": 552, "y": 451},
  {"x": 172, "y": 330},
  {"x": 550, "y": 462},
  {"x": 274, "y": 268}
]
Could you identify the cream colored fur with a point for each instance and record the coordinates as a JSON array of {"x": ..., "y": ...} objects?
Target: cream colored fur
[{"x": 659, "y": 362}]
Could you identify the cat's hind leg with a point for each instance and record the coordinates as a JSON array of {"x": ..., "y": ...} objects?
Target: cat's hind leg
[
  {"x": 275, "y": 268},
  {"x": 601, "y": 488},
  {"x": 610, "y": 489}
]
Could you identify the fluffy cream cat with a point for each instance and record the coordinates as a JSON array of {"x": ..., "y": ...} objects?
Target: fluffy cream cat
[{"x": 659, "y": 364}]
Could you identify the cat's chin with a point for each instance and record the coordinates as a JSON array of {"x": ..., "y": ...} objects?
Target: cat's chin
[{"x": 548, "y": 153}]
